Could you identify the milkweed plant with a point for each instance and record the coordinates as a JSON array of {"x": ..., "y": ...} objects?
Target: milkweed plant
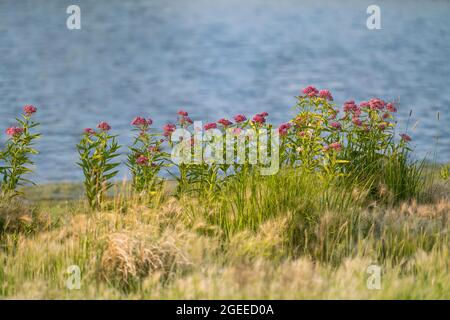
[
  {"x": 98, "y": 151},
  {"x": 16, "y": 157},
  {"x": 146, "y": 157},
  {"x": 358, "y": 141}
]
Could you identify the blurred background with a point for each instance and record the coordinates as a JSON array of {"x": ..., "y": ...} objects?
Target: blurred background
[{"x": 215, "y": 59}]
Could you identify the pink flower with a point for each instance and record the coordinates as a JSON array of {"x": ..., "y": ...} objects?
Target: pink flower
[
  {"x": 405, "y": 137},
  {"x": 139, "y": 121},
  {"x": 350, "y": 106},
  {"x": 376, "y": 104},
  {"x": 264, "y": 114},
  {"x": 183, "y": 113},
  {"x": 259, "y": 118},
  {"x": 142, "y": 160},
  {"x": 326, "y": 94},
  {"x": 210, "y": 125},
  {"x": 104, "y": 126},
  {"x": 168, "y": 129},
  {"x": 364, "y": 104},
  {"x": 356, "y": 121},
  {"x": 391, "y": 108},
  {"x": 336, "y": 125},
  {"x": 29, "y": 110},
  {"x": 224, "y": 122},
  {"x": 386, "y": 115},
  {"x": 185, "y": 120},
  {"x": 284, "y": 128},
  {"x": 240, "y": 118},
  {"x": 14, "y": 131},
  {"x": 336, "y": 146},
  {"x": 310, "y": 91},
  {"x": 89, "y": 131}
]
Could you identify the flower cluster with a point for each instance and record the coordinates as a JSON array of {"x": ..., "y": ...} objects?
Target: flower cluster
[
  {"x": 260, "y": 118},
  {"x": 29, "y": 110},
  {"x": 104, "y": 126},
  {"x": 211, "y": 125},
  {"x": 169, "y": 129},
  {"x": 283, "y": 129},
  {"x": 183, "y": 120},
  {"x": 14, "y": 131},
  {"x": 141, "y": 122},
  {"x": 240, "y": 118},
  {"x": 364, "y": 132},
  {"x": 224, "y": 122}
]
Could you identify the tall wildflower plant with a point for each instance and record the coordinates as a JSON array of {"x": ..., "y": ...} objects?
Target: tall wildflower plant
[
  {"x": 357, "y": 142},
  {"x": 15, "y": 159},
  {"x": 316, "y": 139},
  {"x": 146, "y": 158},
  {"x": 97, "y": 151},
  {"x": 194, "y": 174}
]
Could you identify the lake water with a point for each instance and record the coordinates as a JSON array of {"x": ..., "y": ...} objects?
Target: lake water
[{"x": 215, "y": 59}]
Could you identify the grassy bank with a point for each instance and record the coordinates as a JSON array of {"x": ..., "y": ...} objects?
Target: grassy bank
[{"x": 288, "y": 236}]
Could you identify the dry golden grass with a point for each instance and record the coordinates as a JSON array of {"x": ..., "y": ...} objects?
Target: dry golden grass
[
  {"x": 128, "y": 258},
  {"x": 170, "y": 249}
]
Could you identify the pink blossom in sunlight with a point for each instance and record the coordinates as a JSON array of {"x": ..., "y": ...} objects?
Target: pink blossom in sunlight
[
  {"x": 142, "y": 160},
  {"x": 89, "y": 131},
  {"x": 104, "y": 126},
  {"x": 310, "y": 91},
  {"x": 326, "y": 94},
  {"x": 240, "y": 118},
  {"x": 224, "y": 122},
  {"x": 259, "y": 118},
  {"x": 284, "y": 128},
  {"x": 29, "y": 110},
  {"x": 376, "y": 104},
  {"x": 210, "y": 125},
  {"x": 14, "y": 131},
  {"x": 168, "y": 129}
]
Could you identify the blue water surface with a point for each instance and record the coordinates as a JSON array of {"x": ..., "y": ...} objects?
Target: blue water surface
[{"x": 215, "y": 59}]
